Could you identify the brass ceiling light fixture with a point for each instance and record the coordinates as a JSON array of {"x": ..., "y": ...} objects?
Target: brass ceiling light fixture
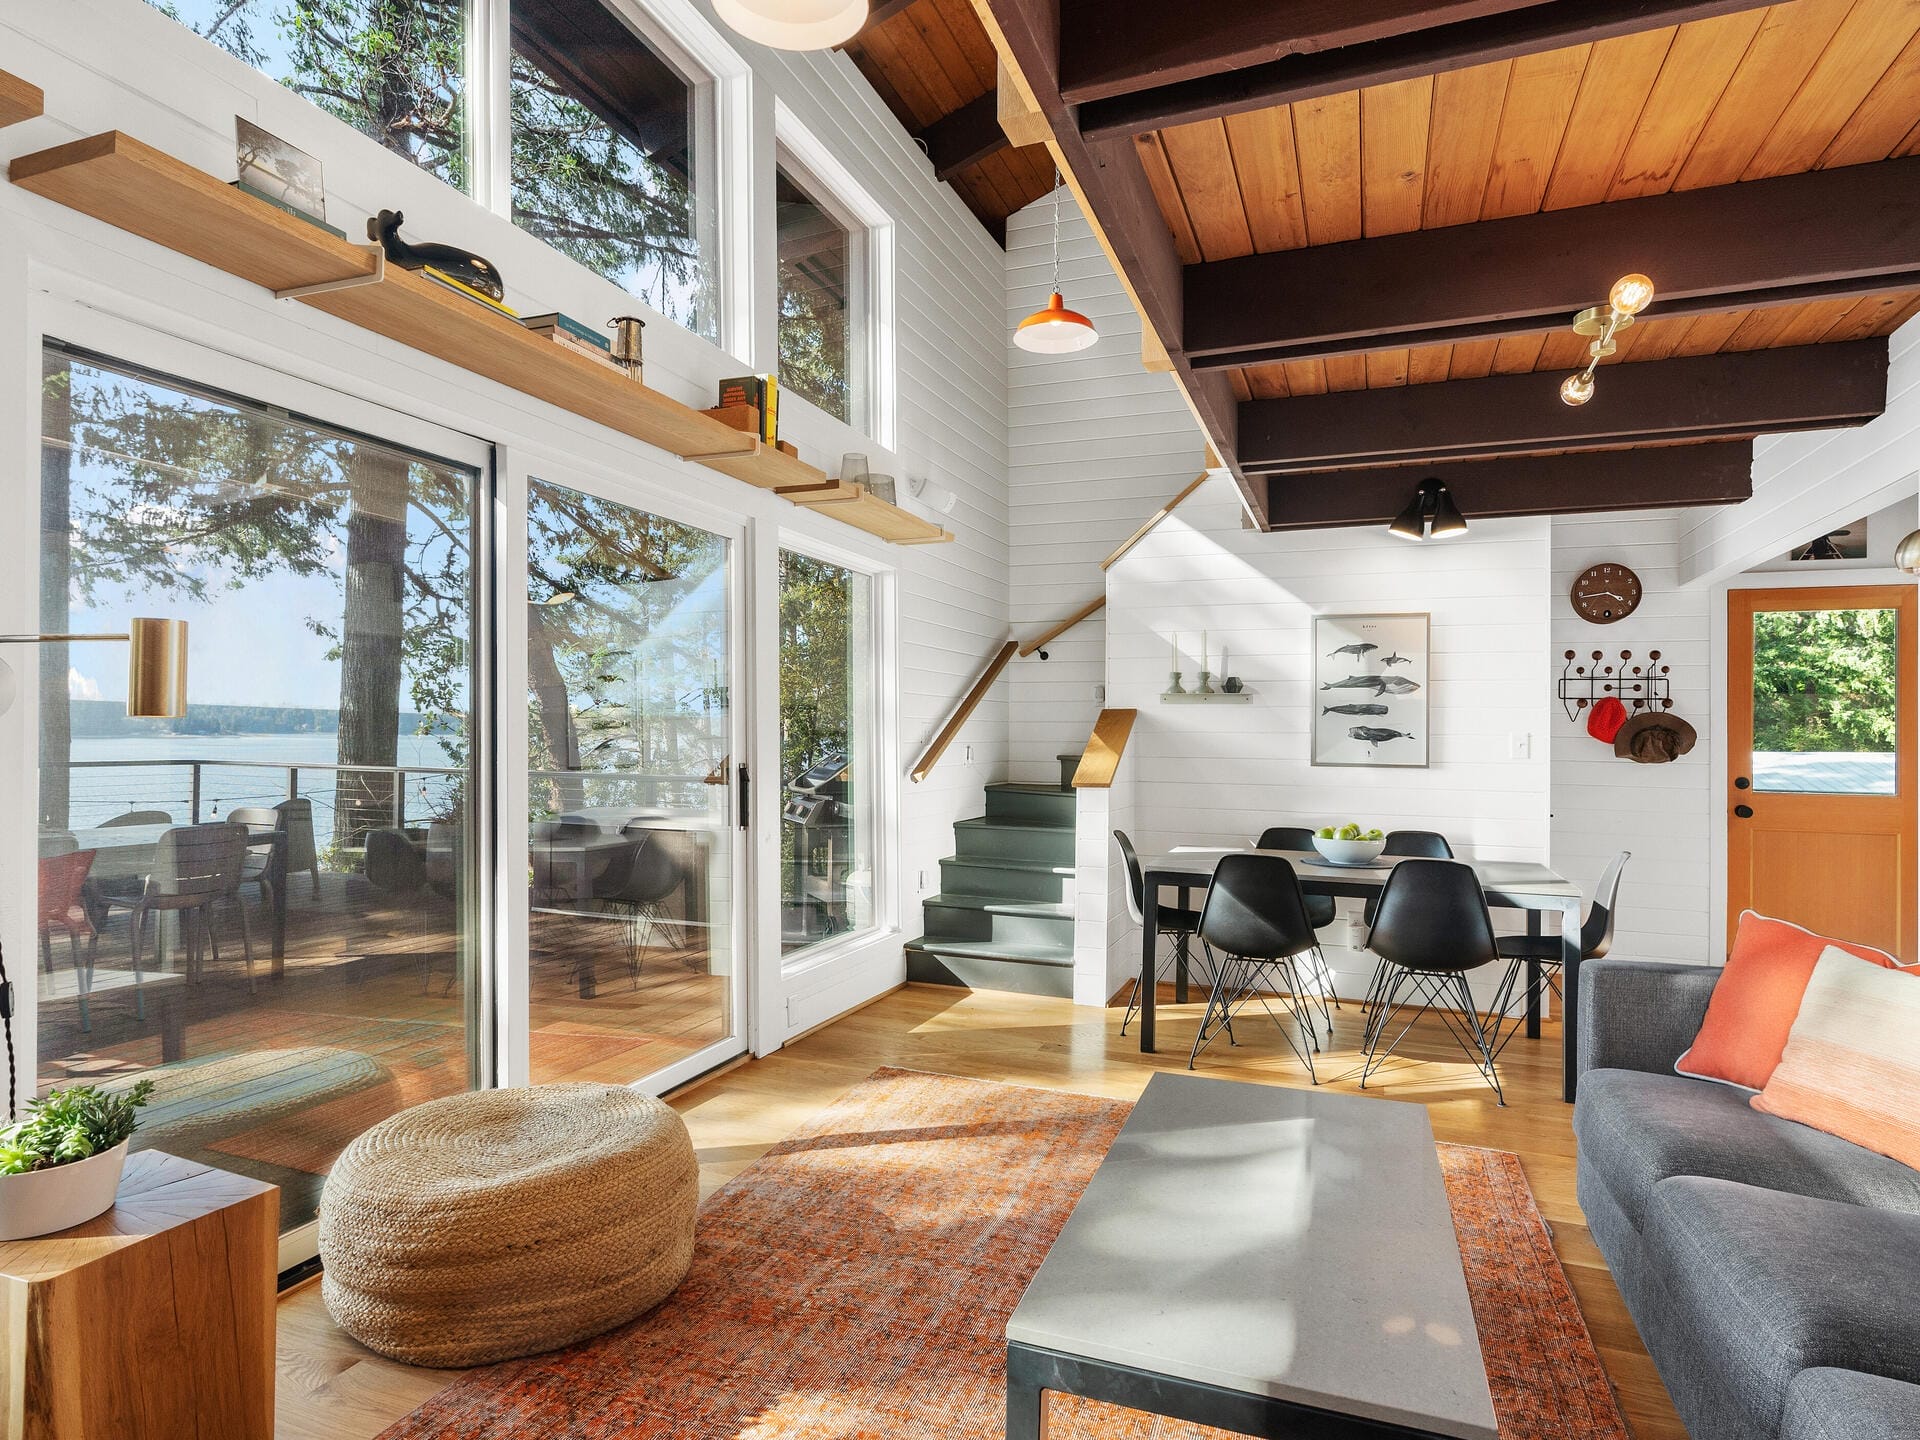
[
  {"x": 1430, "y": 515},
  {"x": 1630, "y": 295},
  {"x": 156, "y": 666}
]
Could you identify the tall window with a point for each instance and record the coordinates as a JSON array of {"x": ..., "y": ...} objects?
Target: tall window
[
  {"x": 607, "y": 156},
  {"x": 828, "y": 750},
  {"x": 820, "y": 311},
  {"x": 395, "y": 70},
  {"x": 266, "y": 905}
]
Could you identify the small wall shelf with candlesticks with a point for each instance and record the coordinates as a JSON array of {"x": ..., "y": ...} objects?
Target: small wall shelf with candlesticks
[{"x": 1204, "y": 691}]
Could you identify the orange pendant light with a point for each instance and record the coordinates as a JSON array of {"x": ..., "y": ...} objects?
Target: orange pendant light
[{"x": 1054, "y": 329}]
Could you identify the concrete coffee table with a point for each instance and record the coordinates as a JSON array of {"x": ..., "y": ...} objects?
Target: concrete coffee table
[{"x": 1263, "y": 1260}]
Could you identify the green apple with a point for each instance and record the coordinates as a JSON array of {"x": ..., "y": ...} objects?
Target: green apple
[{"x": 1325, "y": 832}]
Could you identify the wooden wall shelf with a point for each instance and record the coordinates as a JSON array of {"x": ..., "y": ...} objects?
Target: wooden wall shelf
[
  {"x": 19, "y": 99},
  {"x": 132, "y": 186}
]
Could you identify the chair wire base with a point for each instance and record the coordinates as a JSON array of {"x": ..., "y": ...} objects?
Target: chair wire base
[
  {"x": 1442, "y": 993},
  {"x": 1240, "y": 981}
]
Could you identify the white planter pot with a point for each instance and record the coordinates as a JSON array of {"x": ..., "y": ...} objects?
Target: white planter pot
[{"x": 42, "y": 1201}]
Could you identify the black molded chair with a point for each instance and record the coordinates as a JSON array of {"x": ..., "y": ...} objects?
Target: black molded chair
[
  {"x": 1255, "y": 925},
  {"x": 1415, "y": 844},
  {"x": 1596, "y": 938},
  {"x": 636, "y": 885},
  {"x": 1431, "y": 930},
  {"x": 1321, "y": 911},
  {"x": 1173, "y": 921}
]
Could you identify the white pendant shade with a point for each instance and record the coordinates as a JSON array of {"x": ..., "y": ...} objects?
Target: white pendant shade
[{"x": 795, "y": 24}]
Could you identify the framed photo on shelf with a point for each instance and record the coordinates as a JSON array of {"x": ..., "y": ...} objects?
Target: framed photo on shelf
[{"x": 1370, "y": 690}]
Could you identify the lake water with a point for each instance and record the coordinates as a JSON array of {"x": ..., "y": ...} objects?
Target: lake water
[{"x": 234, "y": 770}]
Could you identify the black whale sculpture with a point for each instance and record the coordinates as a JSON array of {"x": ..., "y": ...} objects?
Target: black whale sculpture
[{"x": 461, "y": 265}]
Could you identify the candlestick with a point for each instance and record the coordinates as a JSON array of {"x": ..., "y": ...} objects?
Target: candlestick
[
  {"x": 1203, "y": 649},
  {"x": 1173, "y": 658}
]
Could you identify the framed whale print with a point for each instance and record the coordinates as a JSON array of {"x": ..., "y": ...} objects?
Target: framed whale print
[{"x": 1369, "y": 691}]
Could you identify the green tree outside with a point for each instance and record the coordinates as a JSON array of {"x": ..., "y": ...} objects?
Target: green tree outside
[{"x": 1825, "y": 680}]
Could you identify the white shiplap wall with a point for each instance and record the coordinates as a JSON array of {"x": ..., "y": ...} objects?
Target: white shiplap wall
[
  {"x": 1095, "y": 445},
  {"x": 1219, "y": 774},
  {"x": 1663, "y": 814},
  {"x": 121, "y": 64},
  {"x": 1804, "y": 484}
]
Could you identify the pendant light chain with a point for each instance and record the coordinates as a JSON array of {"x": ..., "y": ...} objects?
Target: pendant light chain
[{"x": 1056, "y": 230}]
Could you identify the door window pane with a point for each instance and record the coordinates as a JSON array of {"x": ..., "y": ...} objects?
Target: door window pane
[
  {"x": 265, "y": 905},
  {"x": 605, "y": 156},
  {"x": 816, "y": 272},
  {"x": 395, "y": 70},
  {"x": 630, "y": 838},
  {"x": 1825, "y": 701},
  {"x": 827, "y": 757}
]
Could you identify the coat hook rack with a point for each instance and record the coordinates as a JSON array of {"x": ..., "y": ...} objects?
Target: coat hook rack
[{"x": 1647, "y": 686}]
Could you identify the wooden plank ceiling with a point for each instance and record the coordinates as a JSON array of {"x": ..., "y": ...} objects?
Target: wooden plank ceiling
[
  {"x": 1738, "y": 96},
  {"x": 930, "y": 60}
]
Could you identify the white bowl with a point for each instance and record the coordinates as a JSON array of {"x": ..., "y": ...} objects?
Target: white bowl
[{"x": 1349, "y": 852}]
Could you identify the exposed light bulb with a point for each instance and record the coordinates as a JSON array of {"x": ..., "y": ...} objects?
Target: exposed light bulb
[
  {"x": 1631, "y": 294},
  {"x": 1577, "y": 389},
  {"x": 1055, "y": 330}
]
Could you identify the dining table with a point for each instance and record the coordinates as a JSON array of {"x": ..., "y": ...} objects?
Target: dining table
[{"x": 1509, "y": 884}]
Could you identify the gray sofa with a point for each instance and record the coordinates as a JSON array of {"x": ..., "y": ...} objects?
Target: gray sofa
[{"x": 1773, "y": 1270}]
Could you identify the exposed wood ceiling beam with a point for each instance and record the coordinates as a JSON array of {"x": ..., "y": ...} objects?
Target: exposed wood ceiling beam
[
  {"x": 1118, "y": 47},
  {"x": 1113, "y": 192},
  {"x": 1804, "y": 387},
  {"x": 1716, "y": 474},
  {"x": 1455, "y": 46},
  {"x": 1732, "y": 247},
  {"x": 966, "y": 137},
  {"x": 885, "y": 10}
]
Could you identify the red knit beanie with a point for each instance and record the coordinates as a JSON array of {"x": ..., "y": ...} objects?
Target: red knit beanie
[{"x": 1607, "y": 718}]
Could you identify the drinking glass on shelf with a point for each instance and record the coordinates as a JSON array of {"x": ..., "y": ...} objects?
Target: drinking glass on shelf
[
  {"x": 853, "y": 469},
  {"x": 882, "y": 487}
]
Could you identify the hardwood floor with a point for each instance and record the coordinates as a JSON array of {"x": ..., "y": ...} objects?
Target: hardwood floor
[{"x": 330, "y": 1388}]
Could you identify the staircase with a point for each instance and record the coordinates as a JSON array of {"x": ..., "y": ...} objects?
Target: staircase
[{"x": 1003, "y": 919}]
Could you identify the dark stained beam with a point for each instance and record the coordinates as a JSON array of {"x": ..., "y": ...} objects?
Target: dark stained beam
[
  {"x": 1116, "y": 47},
  {"x": 1803, "y": 387},
  {"x": 1121, "y": 207},
  {"x": 1848, "y": 231},
  {"x": 1662, "y": 478},
  {"x": 1455, "y": 46},
  {"x": 885, "y": 10},
  {"x": 966, "y": 137}
]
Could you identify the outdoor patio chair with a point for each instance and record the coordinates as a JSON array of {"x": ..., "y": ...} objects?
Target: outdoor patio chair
[
  {"x": 195, "y": 869},
  {"x": 62, "y": 878}
]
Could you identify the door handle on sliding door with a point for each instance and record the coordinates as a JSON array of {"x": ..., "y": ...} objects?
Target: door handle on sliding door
[{"x": 746, "y": 798}]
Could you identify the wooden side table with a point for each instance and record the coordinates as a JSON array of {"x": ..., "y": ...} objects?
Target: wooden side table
[{"x": 153, "y": 1320}]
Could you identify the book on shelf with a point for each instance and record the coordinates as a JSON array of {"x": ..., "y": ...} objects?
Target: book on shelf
[
  {"x": 557, "y": 324},
  {"x": 600, "y": 357},
  {"x": 440, "y": 277},
  {"x": 762, "y": 393}
]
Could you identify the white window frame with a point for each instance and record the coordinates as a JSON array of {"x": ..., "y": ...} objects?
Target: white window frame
[
  {"x": 883, "y": 756},
  {"x": 827, "y": 181}
]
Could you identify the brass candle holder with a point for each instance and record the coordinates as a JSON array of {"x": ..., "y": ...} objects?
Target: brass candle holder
[{"x": 627, "y": 342}]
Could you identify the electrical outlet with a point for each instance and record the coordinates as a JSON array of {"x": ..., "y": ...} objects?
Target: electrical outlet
[{"x": 1520, "y": 746}]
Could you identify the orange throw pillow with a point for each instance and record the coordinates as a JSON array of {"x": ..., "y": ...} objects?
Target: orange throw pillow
[
  {"x": 1753, "y": 1005},
  {"x": 1852, "y": 1064}
]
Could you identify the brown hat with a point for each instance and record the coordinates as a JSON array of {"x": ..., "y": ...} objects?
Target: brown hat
[{"x": 1654, "y": 737}]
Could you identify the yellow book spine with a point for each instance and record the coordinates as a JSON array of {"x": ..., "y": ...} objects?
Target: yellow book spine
[{"x": 770, "y": 413}]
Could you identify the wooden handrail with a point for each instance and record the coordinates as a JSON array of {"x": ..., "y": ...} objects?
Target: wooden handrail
[
  {"x": 1065, "y": 625},
  {"x": 1158, "y": 515},
  {"x": 1105, "y": 746},
  {"x": 962, "y": 711}
]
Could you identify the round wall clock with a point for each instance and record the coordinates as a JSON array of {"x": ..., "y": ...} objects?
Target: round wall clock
[{"x": 1605, "y": 593}]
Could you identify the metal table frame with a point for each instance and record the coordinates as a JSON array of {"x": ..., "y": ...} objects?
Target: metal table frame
[
  {"x": 1033, "y": 1372},
  {"x": 1508, "y": 885}
]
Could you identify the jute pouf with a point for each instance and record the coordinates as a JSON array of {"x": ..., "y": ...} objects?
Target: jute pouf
[{"x": 507, "y": 1222}]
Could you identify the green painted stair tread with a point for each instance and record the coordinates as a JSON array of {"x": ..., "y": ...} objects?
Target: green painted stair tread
[
  {"x": 1001, "y": 822},
  {"x": 1055, "y": 956},
  {"x": 1017, "y": 787},
  {"x": 996, "y": 862},
  {"x": 1003, "y": 905}
]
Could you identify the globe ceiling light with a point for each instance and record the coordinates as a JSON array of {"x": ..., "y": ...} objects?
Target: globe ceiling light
[{"x": 794, "y": 24}]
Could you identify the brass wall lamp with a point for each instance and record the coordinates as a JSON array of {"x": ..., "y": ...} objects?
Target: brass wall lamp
[{"x": 156, "y": 666}]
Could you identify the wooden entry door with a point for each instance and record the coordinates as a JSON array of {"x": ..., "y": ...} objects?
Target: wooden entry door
[{"x": 1821, "y": 800}]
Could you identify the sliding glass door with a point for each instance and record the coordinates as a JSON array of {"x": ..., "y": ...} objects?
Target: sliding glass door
[
  {"x": 633, "y": 813},
  {"x": 267, "y": 906}
]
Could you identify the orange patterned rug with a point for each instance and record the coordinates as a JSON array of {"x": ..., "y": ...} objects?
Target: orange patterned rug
[{"x": 855, "y": 1283}]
